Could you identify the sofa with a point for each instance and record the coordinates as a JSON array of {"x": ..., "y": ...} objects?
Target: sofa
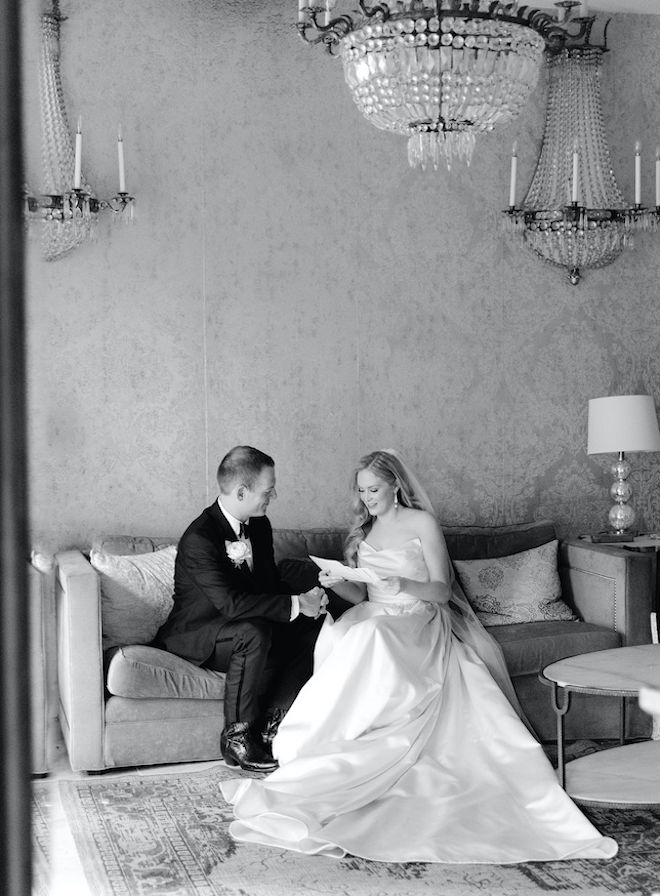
[{"x": 128, "y": 704}]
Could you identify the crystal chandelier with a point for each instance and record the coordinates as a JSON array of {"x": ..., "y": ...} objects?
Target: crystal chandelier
[
  {"x": 438, "y": 71},
  {"x": 68, "y": 206},
  {"x": 574, "y": 214}
]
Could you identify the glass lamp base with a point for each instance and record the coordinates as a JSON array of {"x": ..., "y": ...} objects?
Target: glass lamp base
[{"x": 621, "y": 517}]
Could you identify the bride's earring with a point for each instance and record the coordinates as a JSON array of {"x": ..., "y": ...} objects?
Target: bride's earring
[{"x": 396, "y": 497}]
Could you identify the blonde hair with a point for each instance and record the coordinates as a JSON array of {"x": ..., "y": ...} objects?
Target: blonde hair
[{"x": 388, "y": 466}]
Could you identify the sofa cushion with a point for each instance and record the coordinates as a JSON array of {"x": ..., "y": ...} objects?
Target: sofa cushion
[
  {"x": 136, "y": 594},
  {"x": 300, "y": 543},
  {"x": 530, "y": 646},
  {"x": 523, "y": 587},
  {"x": 138, "y": 671},
  {"x": 479, "y": 542},
  {"x": 130, "y": 544}
]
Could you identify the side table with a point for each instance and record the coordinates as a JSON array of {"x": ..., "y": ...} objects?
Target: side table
[{"x": 628, "y": 775}]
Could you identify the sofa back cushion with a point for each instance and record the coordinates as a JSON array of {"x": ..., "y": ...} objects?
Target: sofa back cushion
[
  {"x": 298, "y": 544},
  {"x": 484, "y": 542}
]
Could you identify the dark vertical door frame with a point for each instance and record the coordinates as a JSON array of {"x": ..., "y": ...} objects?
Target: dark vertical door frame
[{"x": 15, "y": 828}]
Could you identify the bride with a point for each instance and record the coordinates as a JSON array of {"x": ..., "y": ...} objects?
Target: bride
[{"x": 402, "y": 747}]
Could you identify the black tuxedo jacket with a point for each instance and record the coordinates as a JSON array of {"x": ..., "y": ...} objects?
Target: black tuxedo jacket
[{"x": 209, "y": 590}]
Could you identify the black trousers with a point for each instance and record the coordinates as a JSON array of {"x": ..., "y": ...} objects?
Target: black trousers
[{"x": 266, "y": 664}]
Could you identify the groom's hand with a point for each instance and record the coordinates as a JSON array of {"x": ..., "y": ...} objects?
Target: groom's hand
[{"x": 313, "y": 602}]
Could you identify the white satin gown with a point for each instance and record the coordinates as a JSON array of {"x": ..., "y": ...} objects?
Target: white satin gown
[{"x": 401, "y": 748}]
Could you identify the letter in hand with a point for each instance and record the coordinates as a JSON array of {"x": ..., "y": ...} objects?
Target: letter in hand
[
  {"x": 328, "y": 579},
  {"x": 313, "y": 603}
]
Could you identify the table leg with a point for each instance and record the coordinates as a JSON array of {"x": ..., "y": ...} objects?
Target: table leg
[{"x": 560, "y": 707}]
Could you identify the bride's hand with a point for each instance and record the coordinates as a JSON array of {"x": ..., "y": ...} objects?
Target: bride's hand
[
  {"x": 391, "y": 585},
  {"x": 328, "y": 579}
]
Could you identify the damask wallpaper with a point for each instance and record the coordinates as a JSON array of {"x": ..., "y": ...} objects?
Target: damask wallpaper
[{"x": 290, "y": 283}]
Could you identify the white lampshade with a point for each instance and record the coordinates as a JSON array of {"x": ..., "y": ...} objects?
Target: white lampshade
[{"x": 622, "y": 423}]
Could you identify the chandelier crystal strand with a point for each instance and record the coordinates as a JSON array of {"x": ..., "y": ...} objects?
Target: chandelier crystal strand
[
  {"x": 68, "y": 226},
  {"x": 436, "y": 71}
]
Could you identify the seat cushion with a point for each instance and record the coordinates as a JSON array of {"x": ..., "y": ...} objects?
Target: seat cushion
[
  {"x": 530, "y": 646},
  {"x": 139, "y": 671}
]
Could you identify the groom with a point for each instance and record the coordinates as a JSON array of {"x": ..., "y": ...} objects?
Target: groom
[{"x": 232, "y": 613}]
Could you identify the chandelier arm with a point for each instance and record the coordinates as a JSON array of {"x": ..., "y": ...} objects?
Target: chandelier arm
[
  {"x": 379, "y": 8},
  {"x": 330, "y": 35}
]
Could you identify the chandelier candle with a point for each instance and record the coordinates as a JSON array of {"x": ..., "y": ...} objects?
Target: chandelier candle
[
  {"x": 638, "y": 173},
  {"x": 77, "y": 166},
  {"x": 514, "y": 171},
  {"x": 576, "y": 160},
  {"x": 657, "y": 177},
  {"x": 120, "y": 159}
]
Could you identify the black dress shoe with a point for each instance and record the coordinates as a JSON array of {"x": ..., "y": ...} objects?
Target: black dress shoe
[
  {"x": 269, "y": 730},
  {"x": 238, "y": 747}
]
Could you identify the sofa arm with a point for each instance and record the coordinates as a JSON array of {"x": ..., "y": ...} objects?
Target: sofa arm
[
  {"x": 43, "y": 666},
  {"x": 80, "y": 660},
  {"x": 610, "y": 586}
]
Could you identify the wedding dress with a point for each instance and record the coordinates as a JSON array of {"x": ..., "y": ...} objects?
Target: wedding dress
[{"x": 402, "y": 748}]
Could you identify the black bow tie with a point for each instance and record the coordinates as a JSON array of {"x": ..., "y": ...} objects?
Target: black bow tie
[{"x": 244, "y": 531}]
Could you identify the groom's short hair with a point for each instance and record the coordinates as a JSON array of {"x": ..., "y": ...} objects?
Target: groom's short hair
[{"x": 243, "y": 463}]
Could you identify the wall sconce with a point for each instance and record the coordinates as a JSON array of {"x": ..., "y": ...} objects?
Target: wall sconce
[
  {"x": 574, "y": 214},
  {"x": 618, "y": 424},
  {"x": 68, "y": 207}
]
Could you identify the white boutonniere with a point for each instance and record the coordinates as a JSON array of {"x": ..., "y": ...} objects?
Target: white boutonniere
[{"x": 238, "y": 552}]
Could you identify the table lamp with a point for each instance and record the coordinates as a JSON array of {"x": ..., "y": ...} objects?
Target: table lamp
[{"x": 618, "y": 424}]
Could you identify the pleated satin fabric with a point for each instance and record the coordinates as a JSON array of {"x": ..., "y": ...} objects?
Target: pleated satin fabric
[{"x": 402, "y": 748}]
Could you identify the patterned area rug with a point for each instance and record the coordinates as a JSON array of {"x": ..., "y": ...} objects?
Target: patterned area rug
[{"x": 166, "y": 835}]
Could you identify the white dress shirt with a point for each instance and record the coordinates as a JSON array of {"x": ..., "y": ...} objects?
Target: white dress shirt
[{"x": 236, "y": 526}]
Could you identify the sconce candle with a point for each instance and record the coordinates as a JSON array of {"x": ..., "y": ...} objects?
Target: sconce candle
[
  {"x": 574, "y": 191},
  {"x": 657, "y": 176},
  {"x": 302, "y": 6},
  {"x": 638, "y": 173},
  {"x": 584, "y": 10},
  {"x": 77, "y": 167},
  {"x": 120, "y": 159},
  {"x": 514, "y": 172}
]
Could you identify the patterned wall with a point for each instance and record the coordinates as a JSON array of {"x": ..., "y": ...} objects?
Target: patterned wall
[{"x": 291, "y": 283}]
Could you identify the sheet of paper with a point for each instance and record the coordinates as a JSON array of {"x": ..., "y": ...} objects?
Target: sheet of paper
[{"x": 346, "y": 572}]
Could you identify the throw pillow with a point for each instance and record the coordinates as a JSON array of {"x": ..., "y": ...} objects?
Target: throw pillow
[
  {"x": 522, "y": 587},
  {"x": 136, "y": 594}
]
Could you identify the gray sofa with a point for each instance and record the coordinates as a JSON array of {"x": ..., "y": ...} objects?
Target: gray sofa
[{"x": 139, "y": 706}]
